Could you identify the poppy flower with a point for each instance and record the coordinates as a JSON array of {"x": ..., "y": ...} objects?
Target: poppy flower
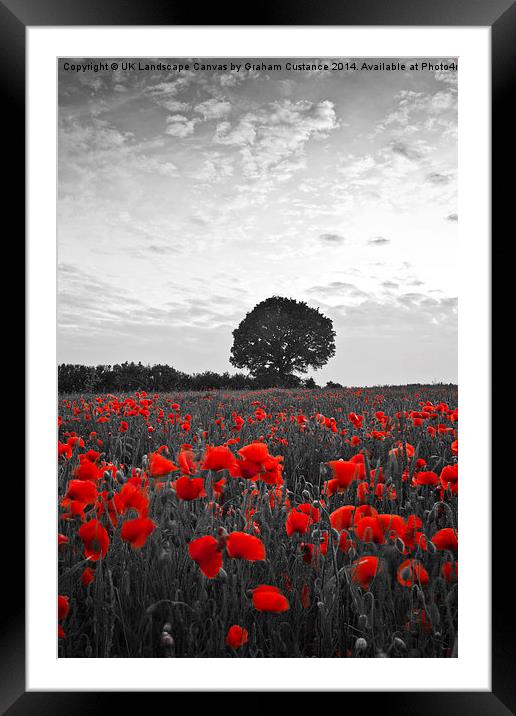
[
  {"x": 137, "y": 531},
  {"x": 392, "y": 524},
  {"x": 345, "y": 543},
  {"x": 449, "y": 477},
  {"x": 411, "y": 572},
  {"x": 206, "y": 552},
  {"x": 364, "y": 511},
  {"x": 370, "y": 529},
  {"x": 83, "y": 491},
  {"x": 257, "y": 452},
  {"x": 342, "y": 517},
  {"x": 189, "y": 488},
  {"x": 64, "y": 449},
  {"x": 62, "y": 611},
  {"x": 87, "y": 576},
  {"x": 95, "y": 539},
  {"x": 345, "y": 471},
  {"x": 399, "y": 451},
  {"x": 364, "y": 570},
  {"x": 450, "y": 571},
  {"x": 87, "y": 470},
  {"x": 160, "y": 466},
  {"x": 240, "y": 545},
  {"x": 237, "y": 636},
  {"x": 186, "y": 460},
  {"x": 446, "y": 539},
  {"x": 267, "y": 598},
  {"x": 63, "y": 607},
  {"x": 131, "y": 497},
  {"x": 218, "y": 458},
  {"x": 297, "y": 522},
  {"x": 426, "y": 478}
]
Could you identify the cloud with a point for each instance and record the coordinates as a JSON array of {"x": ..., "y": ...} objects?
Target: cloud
[
  {"x": 436, "y": 178},
  {"x": 452, "y": 217},
  {"x": 411, "y": 153},
  {"x": 332, "y": 239},
  {"x": 275, "y": 133},
  {"x": 213, "y": 108},
  {"x": 379, "y": 241},
  {"x": 180, "y": 126}
]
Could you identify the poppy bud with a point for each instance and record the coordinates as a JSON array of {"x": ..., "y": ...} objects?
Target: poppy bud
[
  {"x": 399, "y": 643},
  {"x": 120, "y": 476},
  {"x": 167, "y": 640},
  {"x": 306, "y": 494},
  {"x": 360, "y": 644},
  {"x": 145, "y": 462},
  {"x": 362, "y": 620},
  {"x": 167, "y": 627},
  {"x": 88, "y": 651},
  {"x": 316, "y": 504}
]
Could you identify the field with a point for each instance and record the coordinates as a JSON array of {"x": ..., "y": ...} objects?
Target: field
[{"x": 273, "y": 523}]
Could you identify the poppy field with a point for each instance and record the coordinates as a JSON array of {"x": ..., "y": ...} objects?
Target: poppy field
[{"x": 266, "y": 523}]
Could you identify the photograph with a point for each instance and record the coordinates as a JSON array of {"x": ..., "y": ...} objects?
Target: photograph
[{"x": 257, "y": 357}]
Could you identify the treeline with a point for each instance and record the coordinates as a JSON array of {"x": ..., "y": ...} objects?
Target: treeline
[{"x": 73, "y": 378}]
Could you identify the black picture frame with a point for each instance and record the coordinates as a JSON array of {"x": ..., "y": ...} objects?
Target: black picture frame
[{"x": 15, "y": 17}]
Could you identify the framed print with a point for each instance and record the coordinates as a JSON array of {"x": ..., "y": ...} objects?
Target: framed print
[{"x": 258, "y": 300}]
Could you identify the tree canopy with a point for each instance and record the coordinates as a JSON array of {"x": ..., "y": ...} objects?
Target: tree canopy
[{"x": 281, "y": 337}]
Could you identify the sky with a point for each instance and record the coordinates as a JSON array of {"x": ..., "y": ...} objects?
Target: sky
[{"x": 186, "y": 197}]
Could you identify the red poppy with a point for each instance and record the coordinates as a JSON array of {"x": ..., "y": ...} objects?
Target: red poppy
[
  {"x": 189, "y": 488},
  {"x": 370, "y": 529},
  {"x": 255, "y": 452},
  {"x": 237, "y": 636},
  {"x": 131, "y": 497},
  {"x": 83, "y": 491},
  {"x": 345, "y": 471},
  {"x": 87, "y": 576},
  {"x": 450, "y": 571},
  {"x": 160, "y": 466},
  {"x": 95, "y": 539},
  {"x": 392, "y": 524},
  {"x": 62, "y": 611},
  {"x": 87, "y": 470},
  {"x": 364, "y": 570},
  {"x": 345, "y": 543},
  {"x": 411, "y": 572},
  {"x": 63, "y": 607},
  {"x": 342, "y": 517},
  {"x": 218, "y": 458},
  {"x": 446, "y": 539},
  {"x": 137, "y": 531},
  {"x": 240, "y": 545},
  {"x": 267, "y": 598},
  {"x": 426, "y": 478},
  {"x": 297, "y": 522},
  {"x": 206, "y": 552},
  {"x": 364, "y": 511},
  {"x": 449, "y": 477}
]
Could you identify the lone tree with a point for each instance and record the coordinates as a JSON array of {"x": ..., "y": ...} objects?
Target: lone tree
[{"x": 281, "y": 336}]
